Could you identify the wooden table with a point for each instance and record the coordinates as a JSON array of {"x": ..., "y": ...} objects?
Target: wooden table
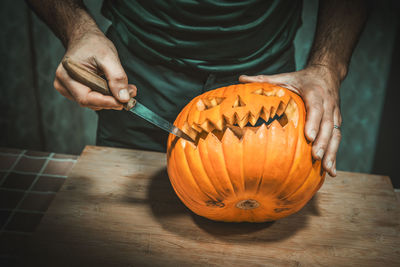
[{"x": 117, "y": 208}]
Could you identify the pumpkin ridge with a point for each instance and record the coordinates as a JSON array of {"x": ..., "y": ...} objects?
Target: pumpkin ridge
[
  {"x": 196, "y": 181},
  {"x": 265, "y": 159},
  {"x": 226, "y": 168},
  {"x": 202, "y": 148},
  {"x": 307, "y": 179},
  {"x": 213, "y": 163},
  {"x": 292, "y": 166},
  {"x": 177, "y": 187}
]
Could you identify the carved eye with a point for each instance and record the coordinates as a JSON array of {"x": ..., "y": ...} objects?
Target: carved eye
[
  {"x": 274, "y": 92},
  {"x": 238, "y": 102},
  {"x": 208, "y": 103}
]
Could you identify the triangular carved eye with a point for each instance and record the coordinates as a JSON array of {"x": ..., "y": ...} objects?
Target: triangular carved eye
[
  {"x": 238, "y": 102},
  {"x": 273, "y": 92},
  {"x": 208, "y": 103}
]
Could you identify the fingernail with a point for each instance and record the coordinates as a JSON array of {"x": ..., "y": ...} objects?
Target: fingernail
[
  {"x": 334, "y": 171},
  {"x": 313, "y": 134},
  {"x": 329, "y": 164},
  {"x": 320, "y": 153},
  {"x": 123, "y": 94}
]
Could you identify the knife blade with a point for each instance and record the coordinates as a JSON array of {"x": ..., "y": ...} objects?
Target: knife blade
[{"x": 81, "y": 74}]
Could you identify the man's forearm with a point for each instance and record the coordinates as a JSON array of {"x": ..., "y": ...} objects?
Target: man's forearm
[
  {"x": 338, "y": 28},
  {"x": 68, "y": 19}
]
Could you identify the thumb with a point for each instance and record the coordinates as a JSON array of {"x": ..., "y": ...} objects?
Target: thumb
[
  {"x": 283, "y": 79},
  {"x": 116, "y": 77}
]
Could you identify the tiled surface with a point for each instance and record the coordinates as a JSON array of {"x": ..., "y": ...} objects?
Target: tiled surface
[{"x": 29, "y": 181}]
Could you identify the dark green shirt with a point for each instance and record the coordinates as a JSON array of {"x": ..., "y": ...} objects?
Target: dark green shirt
[
  {"x": 209, "y": 35},
  {"x": 175, "y": 50}
]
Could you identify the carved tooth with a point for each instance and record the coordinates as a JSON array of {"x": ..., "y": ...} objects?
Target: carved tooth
[
  {"x": 238, "y": 102},
  {"x": 292, "y": 112},
  {"x": 197, "y": 127},
  {"x": 229, "y": 120},
  {"x": 189, "y": 131},
  {"x": 207, "y": 126},
  {"x": 243, "y": 122},
  {"x": 219, "y": 125},
  {"x": 207, "y": 103},
  {"x": 273, "y": 112},
  {"x": 283, "y": 120},
  {"x": 280, "y": 93},
  {"x": 200, "y": 105},
  {"x": 253, "y": 119},
  {"x": 213, "y": 102},
  {"x": 281, "y": 108},
  {"x": 236, "y": 118},
  {"x": 236, "y": 131},
  {"x": 270, "y": 93},
  {"x": 259, "y": 91},
  {"x": 264, "y": 114}
]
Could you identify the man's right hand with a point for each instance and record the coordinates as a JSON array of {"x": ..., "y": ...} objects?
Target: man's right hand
[{"x": 96, "y": 52}]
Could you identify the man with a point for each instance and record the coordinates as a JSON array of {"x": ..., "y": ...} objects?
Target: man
[{"x": 175, "y": 50}]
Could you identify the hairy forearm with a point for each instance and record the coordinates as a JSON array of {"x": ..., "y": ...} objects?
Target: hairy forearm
[
  {"x": 68, "y": 19},
  {"x": 338, "y": 28}
]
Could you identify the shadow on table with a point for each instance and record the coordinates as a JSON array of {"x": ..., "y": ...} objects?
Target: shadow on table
[{"x": 174, "y": 217}]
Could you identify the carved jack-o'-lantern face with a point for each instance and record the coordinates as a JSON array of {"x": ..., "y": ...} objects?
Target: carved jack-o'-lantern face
[{"x": 250, "y": 160}]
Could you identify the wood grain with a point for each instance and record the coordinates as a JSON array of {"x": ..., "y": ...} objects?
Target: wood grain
[{"x": 117, "y": 208}]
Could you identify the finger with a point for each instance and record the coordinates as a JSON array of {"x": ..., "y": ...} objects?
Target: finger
[
  {"x": 116, "y": 77},
  {"x": 315, "y": 110},
  {"x": 277, "y": 78},
  {"x": 283, "y": 79},
  {"x": 62, "y": 90},
  {"x": 83, "y": 95},
  {"x": 95, "y": 108},
  {"x": 332, "y": 172},
  {"x": 330, "y": 155},
  {"x": 324, "y": 134},
  {"x": 132, "y": 90}
]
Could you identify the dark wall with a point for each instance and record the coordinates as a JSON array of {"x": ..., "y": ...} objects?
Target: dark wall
[
  {"x": 388, "y": 145},
  {"x": 34, "y": 116}
]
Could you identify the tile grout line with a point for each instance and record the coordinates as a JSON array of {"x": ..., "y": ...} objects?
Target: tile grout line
[
  {"x": 43, "y": 174},
  {"x": 24, "y": 211},
  {"x": 32, "y": 191},
  {"x": 38, "y": 157},
  {"x": 26, "y": 193},
  {"x": 12, "y": 166}
]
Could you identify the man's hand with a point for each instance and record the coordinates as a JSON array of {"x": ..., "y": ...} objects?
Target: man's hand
[
  {"x": 86, "y": 44},
  {"x": 319, "y": 88},
  {"x": 338, "y": 28},
  {"x": 97, "y": 53}
]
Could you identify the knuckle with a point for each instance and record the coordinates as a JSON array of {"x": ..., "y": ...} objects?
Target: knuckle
[
  {"x": 59, "y": 72},
  {"x": 56, "y": 85},
  {"x": 316, "y": 107},
  {"x": 82, "y": 101},
  {"x": 338, "y": 135},
  {"x": 118, "y": 79}
]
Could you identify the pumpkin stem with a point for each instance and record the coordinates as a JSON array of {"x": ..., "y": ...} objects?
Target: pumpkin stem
[{"x": 248, "y": 204}]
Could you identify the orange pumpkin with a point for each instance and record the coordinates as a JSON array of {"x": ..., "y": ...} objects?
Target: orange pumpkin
[{"x": 250, "y": 160}]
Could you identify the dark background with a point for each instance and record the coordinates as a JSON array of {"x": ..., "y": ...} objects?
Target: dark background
[{"x": 34, "y": 116}]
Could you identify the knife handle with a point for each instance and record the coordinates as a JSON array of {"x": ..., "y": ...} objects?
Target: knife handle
[{"x": 95, "y": 82}]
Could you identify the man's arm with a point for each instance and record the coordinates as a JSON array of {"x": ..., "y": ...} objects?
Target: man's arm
[
  {"x": 85, "y": 43},
  {"x": 338, "y": 28}
]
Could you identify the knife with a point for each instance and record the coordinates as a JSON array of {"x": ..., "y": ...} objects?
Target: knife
[{"x": 81, "y": 74}]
